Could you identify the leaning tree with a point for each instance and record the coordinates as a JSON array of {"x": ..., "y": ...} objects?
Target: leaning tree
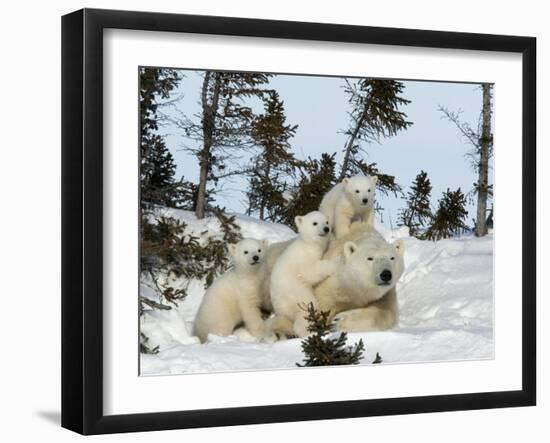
[{"x": 375, "y": 114}]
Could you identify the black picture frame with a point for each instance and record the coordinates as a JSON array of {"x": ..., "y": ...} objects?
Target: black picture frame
[{"x": 82, "y": 218}]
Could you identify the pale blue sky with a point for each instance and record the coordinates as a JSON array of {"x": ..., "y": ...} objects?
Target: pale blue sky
[{"x": 318, "y": 105}]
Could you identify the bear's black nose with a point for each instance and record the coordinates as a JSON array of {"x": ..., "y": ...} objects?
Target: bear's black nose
[
  {"x": 385, "y": 275},
  {"x": 326, "y": 229},
  {"x": 255, "y": 258},
  {"x": 365, "y": 200}
]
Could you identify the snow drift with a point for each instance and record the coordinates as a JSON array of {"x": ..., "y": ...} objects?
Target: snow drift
[{"x": 445, "y": 303}]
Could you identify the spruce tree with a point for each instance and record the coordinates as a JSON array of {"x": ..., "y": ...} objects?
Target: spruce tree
[
  {"x": 157, "y": 168},
  {"x": 316, "y": 178},
  {"x": 322, "y": 350},
  {"x": 274, "y": 163},
  {"x": 418, "y": 212},
  {"x": 448, "y": 220}
]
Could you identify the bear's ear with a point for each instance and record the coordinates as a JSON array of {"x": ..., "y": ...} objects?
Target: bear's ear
[
  {"x": 349, "y": 249},
  {"x": 232, "y": 248},
  {"x": 345, "y": 181},
  {"x": 298, "y": 220},
  {"x": 374, "y": 179},
  {"x": 399, "y": 246}
]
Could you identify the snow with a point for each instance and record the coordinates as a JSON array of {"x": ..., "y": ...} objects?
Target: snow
[{"x": 445, "y": 303}]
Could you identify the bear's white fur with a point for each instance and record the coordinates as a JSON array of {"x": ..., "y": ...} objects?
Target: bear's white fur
[
  {"x": 352, "y": 294},
  {"x": 348, "y": 201},
  {"x": 271, "y": 255},
  {"x": 299, "y": 268},
  {"x": 234, "y": 297},
  {"x": 361, "y": 294}
]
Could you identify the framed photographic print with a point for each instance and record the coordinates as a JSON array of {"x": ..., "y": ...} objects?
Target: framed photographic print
[{"x": 269, "y": 221}]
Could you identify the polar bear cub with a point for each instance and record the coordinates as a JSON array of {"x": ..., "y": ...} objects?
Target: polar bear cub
[
  {"x": 298, "y": 269},
  {"x": 352, "y": 199},
  {"x": 234, "y": 297}
]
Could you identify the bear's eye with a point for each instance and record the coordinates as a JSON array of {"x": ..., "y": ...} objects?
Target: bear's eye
[
  {"x": 369, "y": 190},
  {"x": 245, "y": 252},
  {"x": 393, "y": 258},
  {"x": 259, "y": 250},
  {"x": 357, "y": 191},
  {"x": 326, "y": 223},
  {"x": 314, "y": 223},
  {"x": 370, "y": 258}
]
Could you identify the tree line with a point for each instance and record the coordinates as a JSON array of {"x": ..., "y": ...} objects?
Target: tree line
[{"x": 280, "y": 185}]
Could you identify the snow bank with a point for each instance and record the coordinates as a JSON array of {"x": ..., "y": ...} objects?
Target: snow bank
[{"x": 445, "y": 302}]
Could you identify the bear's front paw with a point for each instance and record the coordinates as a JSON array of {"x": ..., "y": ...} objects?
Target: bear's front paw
[
  {"x": 343, "y": 321},
  {"x": 270, "y": 338},
  {"x": 286, "y": 336},
  {"x": 355, "y": 224}
]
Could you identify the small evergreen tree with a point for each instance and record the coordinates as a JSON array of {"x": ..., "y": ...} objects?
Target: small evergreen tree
[
  {"x": 168, "y": 249},
  {"x": 322, "y": 350},
  {"x": 377, "y": 359},
  {"x": 144, "y": 347},
  {"x": 316, "y": 178},
  {"x": 448, "y": 221},
  {"x": 489, "y": 221},
  {"x": 418, "y": 211},
  {"x": 215, "y": 254},
  {"x": 273, "y": 164}
]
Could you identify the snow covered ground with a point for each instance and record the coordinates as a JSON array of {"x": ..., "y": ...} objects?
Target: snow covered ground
[{"x": 445, "y": 302}]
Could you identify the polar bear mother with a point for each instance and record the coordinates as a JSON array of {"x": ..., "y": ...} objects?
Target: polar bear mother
[{"x": 361, "y": 295}]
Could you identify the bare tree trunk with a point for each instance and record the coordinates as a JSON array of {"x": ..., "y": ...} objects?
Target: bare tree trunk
[
  {"x": 484, "y": 154},
  {"x": 267, "y": 172},
  {"x": 200, "y": 207},
  {"x": 209, "y": 111}
]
